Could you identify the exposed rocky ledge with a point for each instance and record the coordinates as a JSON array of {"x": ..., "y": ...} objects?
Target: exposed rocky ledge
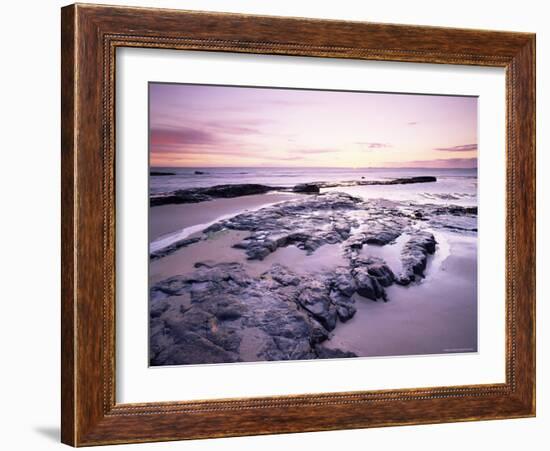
[
  {"x": 194, "y": 195},
  {"x": 414, "y": 256},
  {"x": 154, "y": 255},
  {"x": 332, "y": 218},
  {"x": 160, "y": 174},
  {"x": 218, "y": 313},
  {"x": 398, "y": 181}
]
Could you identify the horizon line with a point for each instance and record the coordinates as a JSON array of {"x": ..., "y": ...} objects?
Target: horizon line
[{"x": 306, "y": 167}]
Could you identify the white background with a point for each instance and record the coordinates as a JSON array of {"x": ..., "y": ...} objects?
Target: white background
[
  {"x": 138, "y": 383},
  {"x": 30, "y": 225}
]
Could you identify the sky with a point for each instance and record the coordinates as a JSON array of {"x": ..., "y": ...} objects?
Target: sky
[{"x": 221, "y": 126}]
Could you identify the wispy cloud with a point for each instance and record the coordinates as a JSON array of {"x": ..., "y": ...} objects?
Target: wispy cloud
[
  {"x": 168, "y": 137},
  {"x": 211, "y": 135},
  {"x": 412, "y": 123},
  {"x": 314, "y": 151},
  {"x": 232, "y": 128},
  {"x": 289, "y": 158},
  {"x": 373, "y": 145},
  {"x": 462, "y": 148}
]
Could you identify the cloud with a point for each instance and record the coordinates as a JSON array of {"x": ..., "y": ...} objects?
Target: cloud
[
  {"x": 249, "y": 153},
  {"x": 462, "y": 148},
  {"x": 291, "y": 158},
  {"x": 458, "y": 163},
  {"x": 313, "y": 151},
  {"x": 233, "y": 128},
  {"x": 374, "y": 145},
  {"x": 166, "y": 138},
  {"x": 212, "y": 135},
  {"x": 412, "y": 123}
]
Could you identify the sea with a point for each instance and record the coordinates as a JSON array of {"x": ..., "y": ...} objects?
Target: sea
[{"x": 453, "y": 186}]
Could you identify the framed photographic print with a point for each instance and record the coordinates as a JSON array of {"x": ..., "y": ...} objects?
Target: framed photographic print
[{"x": 280, "y": 224}]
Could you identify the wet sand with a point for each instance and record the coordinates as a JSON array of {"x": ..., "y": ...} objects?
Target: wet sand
[
  {"x": 435, "y": 316},
  {"x": 183, "y": 260},
  {"x": 166, "y": 219},
  {"x": 218, "y": 249}
]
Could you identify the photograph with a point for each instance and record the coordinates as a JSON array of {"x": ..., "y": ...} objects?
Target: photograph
[{"x": 296, "y": 224}]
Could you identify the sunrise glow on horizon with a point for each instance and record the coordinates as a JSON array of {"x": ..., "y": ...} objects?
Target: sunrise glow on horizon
[{"x": 220, "y": 126}]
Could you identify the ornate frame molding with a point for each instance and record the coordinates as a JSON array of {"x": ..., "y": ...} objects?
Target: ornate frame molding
[{"x": 90, "y": 36}]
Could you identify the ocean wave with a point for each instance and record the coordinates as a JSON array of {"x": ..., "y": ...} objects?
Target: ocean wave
[{"x": 168, "y": 240}]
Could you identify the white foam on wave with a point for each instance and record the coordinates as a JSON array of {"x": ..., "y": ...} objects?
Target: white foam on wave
[{"x": 167, "y": 240}]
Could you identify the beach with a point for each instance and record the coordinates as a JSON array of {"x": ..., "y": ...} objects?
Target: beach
[{"x": 347, "y": 269}]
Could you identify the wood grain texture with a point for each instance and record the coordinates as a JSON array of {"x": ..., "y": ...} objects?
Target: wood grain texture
[
  {"x": 68, "y": 313},
  {"x": 90, "y": 36}
]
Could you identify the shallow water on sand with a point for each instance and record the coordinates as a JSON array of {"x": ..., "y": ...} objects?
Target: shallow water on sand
[
  {"x": 437, "y": 315},
  {"x": 219, "y": 249},
  {"x": 390, "y": 253},
  {"x": 167, "y": 219},
  {"x": 325, "y": 258}
]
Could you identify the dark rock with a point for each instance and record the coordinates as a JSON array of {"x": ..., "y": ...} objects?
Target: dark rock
[
  {"x": 372, "y": 275},
  {"x": 189, "y": 197},
  {"x": 420, "y": 179},
  {"x": 456, "y": 210},
  {"x": 367, "y": 285},
  {"x": 345, "y": 307},
  {"x": 452, "y": 217},
  {"x": 286, "y": 314},
  {"x": 160, "y": 174},
  {"x": 283, "y": 275},
  {"x": 344, "y": 282},
  {"x": 306, "y": 223},
  {"x": 200, "y": 172},
  {"x": 377, "y": 234},
  {"x": 173, "y": 248},
  {"x": 327, "y": 353},
  {"x": 307, "y": 188},
  {"x": 414, "y": 256},
  {"x": 191, "y": 348},
  {"x": 158, "y": 308},
  {"x": 316, "y": 301},
  {"x": 194, "y": 195},
  {"x": 229, "y": 314},
  {"x": 228, "y": 191},
  {"x": 345, "y": 312},
  {"x": 381, "y": 237},
  {"x": 378, "y": 269},
  {"x": 398, "y": 181}
]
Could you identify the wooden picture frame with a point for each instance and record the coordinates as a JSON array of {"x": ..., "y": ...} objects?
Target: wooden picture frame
[{"x": 90, "y": 36}]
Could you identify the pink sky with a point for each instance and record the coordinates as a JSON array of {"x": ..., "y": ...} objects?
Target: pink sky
[{"x": 208, "y": 126}]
